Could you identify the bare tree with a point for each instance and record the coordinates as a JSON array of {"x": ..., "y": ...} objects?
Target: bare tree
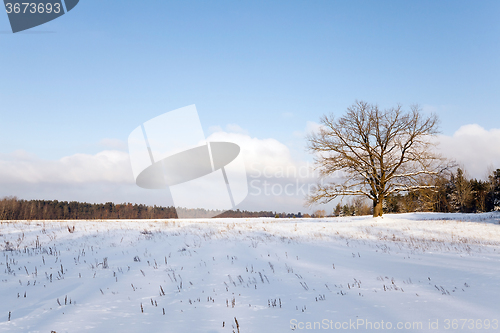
[
  {"x": 320, "y": 213},
  {"x": 379, "y": 152}
]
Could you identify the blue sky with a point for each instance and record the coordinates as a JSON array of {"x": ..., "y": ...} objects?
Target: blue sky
[{"x": 269, "y": 67}]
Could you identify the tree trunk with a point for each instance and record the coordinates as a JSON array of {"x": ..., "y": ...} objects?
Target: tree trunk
[{"x": 377, "y": 207}]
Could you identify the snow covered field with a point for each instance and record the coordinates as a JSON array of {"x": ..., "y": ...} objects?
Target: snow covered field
[{"x": 409, "y": 272}]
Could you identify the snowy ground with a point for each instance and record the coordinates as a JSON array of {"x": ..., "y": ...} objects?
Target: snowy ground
[{"x": 409, "y": 272}]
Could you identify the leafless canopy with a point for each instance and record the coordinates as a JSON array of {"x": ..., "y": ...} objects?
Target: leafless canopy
[{"x": 378, "y": 152}]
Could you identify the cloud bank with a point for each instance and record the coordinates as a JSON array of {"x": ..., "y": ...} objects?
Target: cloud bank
[
  {"x": 277, "y": 180},
  {"x": 474, "y": 148}
]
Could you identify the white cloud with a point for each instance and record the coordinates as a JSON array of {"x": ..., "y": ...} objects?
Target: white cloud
[
  {"x": 114, "y": 144},
  {"x": 107, "y": 176},
  {"x": 473, "y": 147},
  {"x": 277, "y": 181},
  {"x": 311, "y": 127},
  {"x": 106, "y": 166},
  {"x": 257, "y": 152},
  {"x": 234, "y": 128},
  {"x": 213, "y": 129},
  {"x": 231, "y": 128},
  {"x": 270, "y": 165}
]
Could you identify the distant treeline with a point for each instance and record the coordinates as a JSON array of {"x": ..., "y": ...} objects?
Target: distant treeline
[
  {"x": 452, "y": 194},
  {"x": 455, "y": 193},
  {"x": 12, "y": 208}
]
